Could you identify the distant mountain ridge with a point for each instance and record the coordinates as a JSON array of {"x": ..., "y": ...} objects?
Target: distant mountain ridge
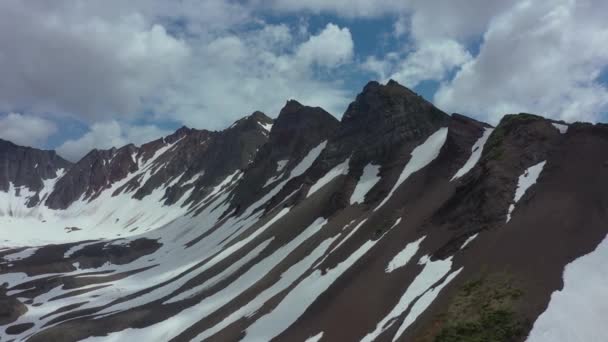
[{"x": 398, "y": 222}]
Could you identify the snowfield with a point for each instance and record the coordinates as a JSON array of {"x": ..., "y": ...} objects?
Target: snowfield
[
  {"x": 578, "y": 311},
  {"x": 105, "y": 217},
  {"x": 563, "y": 129},
  {"x": 369, "y": 178}
]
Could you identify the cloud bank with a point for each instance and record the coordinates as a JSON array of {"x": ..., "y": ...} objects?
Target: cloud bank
[{"x": 129, "y": 70}]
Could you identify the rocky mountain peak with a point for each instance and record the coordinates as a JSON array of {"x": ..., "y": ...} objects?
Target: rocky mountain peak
[
  {"x": 380, "y": 120},
  {"x": 291, "y": 106},
  {"x": 180, "y": 133},
  {"x": 456, "y": 117},
  {"x": 259, "y": 116},
  {"x": 294, "y": 116},
  {"x": 92, "y": 174},
  {"x": 391, "y": 100},
  {"x": 255, "y": 121},
  {"x": 520, "y": 137},
  {"x": 297, "y": 130},
  {"x": 26, "y": 166},
  {"x": 381, "y": 127}
]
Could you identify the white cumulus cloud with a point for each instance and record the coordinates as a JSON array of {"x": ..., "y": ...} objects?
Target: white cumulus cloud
[
  {"x": 331, "y": 47},
  {"x": 206, "y": 63},
  {"x": 433, "y": 60},
  {"x": 104, "y": 135},
  {"x": 72, "y": 62},
  {"x": 26, "y": 130},
  {"x": 540, "y": 56},
  {"x": 259, "y": 70}
]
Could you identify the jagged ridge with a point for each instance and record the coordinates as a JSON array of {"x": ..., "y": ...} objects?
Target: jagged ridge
[{"x": 397, "y": 223}]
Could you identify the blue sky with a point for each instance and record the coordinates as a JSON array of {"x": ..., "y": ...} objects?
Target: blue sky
[{"x": 106, "y": 73}]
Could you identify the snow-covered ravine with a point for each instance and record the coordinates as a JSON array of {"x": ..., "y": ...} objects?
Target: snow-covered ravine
[
  {"x": 476, "y": 151},
  {"x": 172, "y": 265},
  {"x": 189, "y": 246},
  {"x": 167, "y": 264},
  {"x": 525, "y": 181},
  {"x": 204, "y": 262}
]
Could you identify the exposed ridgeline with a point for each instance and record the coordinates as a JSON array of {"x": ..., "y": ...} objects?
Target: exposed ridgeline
[
  {"x": 188, "y": 158},
  {"x": 397, "y": 223},
  {"x": 26, "y": 166}
]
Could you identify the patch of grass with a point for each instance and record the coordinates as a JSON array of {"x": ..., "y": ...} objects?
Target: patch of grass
[
  {"x": 493, "y": 326},
  {"x": 471, "y": 286},
  {"x": 483, "y": 311}
]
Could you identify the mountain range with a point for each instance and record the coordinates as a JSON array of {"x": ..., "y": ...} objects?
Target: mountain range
[{"x": 397, "y": 223}]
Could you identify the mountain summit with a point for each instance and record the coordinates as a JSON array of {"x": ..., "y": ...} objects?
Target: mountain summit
[{"x": 397, "y": 223}]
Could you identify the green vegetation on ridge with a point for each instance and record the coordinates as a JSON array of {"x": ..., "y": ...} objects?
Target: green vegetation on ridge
[
  {"x": 483, "y": 311},
  {"x": 493, "y": 149}
]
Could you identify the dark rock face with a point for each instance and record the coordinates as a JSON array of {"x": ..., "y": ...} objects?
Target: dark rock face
[
  {"x": 25, "y": 166},
  {"x": 95, "y": 172},
  {"x": 380, "y": 119},
  {"x": 381, "y": 126},
  {"x": 518, "y": 142},
  {"x": 296, "y": 131},
  {"x": 299, "y": 128},
  {"x": 229, "y": 151}
]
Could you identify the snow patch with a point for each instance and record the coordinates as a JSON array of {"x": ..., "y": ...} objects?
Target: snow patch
[
  {"x": 422, "y": 155},
  {"x": 563, "y": 129},
  {"x": 194, "y": 178},
  {"x": 266, "y": 126},
  {"x": 526, "y": 180},
  {"x": 338, "y": 170},
  {"x": 281, "y": 164},
  {"x": 423, "y": 303},
  {"x": 23, "y": 254},
  {"x": 424, "y": 283},
  {"x": 476, "y": 151},
  {"x": 368, "y": 179},
  {"x": 230, "y": 179},
  {"x": 315, "y": 338},
  {"x": 78, "y": 247},
  {"x": 352, "y": 232},
  {"x": 307, "y": 161},
  {"x": 469, "y": 240},
  {"x": 403, "y": 257}
]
